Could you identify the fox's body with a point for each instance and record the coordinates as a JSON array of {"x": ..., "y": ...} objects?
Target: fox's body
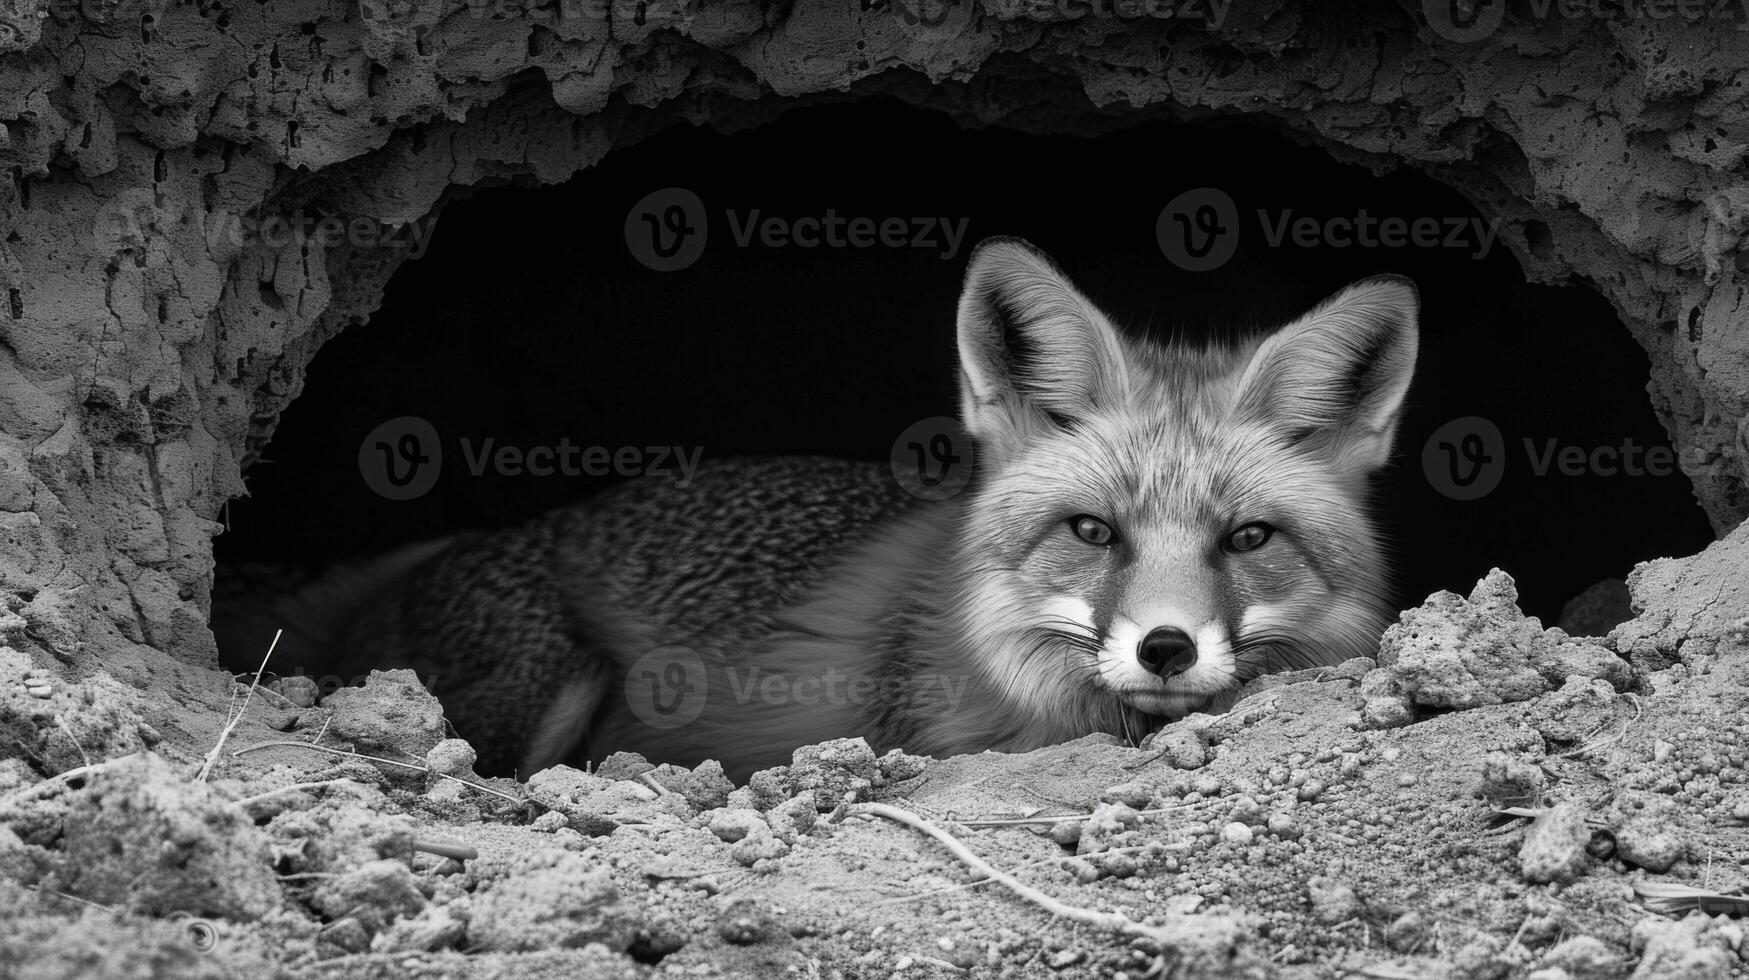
[{"x": 1147, "y": 526}]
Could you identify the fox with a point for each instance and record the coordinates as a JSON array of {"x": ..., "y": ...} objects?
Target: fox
[{"x": 1147, "y": 526}]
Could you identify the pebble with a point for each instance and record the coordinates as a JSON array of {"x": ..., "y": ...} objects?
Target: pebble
[
  {"x": 1065, "y": 958},
  {"x": 1554, "y": 847},
  {"x": 1236, "y": 833},
  {"x": 1136, "y": 795}
]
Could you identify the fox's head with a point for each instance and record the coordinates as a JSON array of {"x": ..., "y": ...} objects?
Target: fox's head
[{"x": 1152, "y": 525}]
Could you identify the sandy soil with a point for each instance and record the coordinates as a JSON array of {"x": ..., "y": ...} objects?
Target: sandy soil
[{"x": 1488, "y": 799}]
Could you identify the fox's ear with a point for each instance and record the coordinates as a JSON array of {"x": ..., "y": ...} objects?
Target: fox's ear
[
  {"x": 1335, "y": 378},
  {"x": 1034, "y": 352}
]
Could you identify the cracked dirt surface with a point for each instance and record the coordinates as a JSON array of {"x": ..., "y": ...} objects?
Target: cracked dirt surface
[{"x": 1487, "y": 799}]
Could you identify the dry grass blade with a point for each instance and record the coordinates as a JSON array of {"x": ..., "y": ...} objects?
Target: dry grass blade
[
  {"x": 237, "y": 718},
  {"x": 1664, "y": 896},
  {"x": 415, "y": 766}
]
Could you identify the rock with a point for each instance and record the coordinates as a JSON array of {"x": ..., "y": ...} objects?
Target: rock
[
  {"x": 754, "y": 848},
  {"x": 1508, "y": 781},
  {"x": 835, "y": 772},
  {"x": 1183, "y": 746},
  {"x": 623, "y": 765},
  {"x": 1690, "y": 608},
  {"x": 1099, "y": 831},
  {"x": 392, "y": 715},
  {"x": 1692, "y": 948},
  {"x": 551, "y": 900},
  {"x": 1453, "y": 652},
  {"x": 1554, "y": 847},
  {"x": 1581, "y": 709},
  {"x": 743, "y": 924},
  {"x": 793, "y": 818},
  {"x": 597, "y": 807},
  {"x": 1585, "y": 958},
  {"x": 1333, "y": 900},
  {"x": 375, "y": 894},
  {"x": 144, "y": 835},
  {"x": 896, "y": 766},
  {"x": 1136, "y": 795},
  {"x": 1647, "y": 828},
  {"x": 452, "y": 757},
  {"x": 731, "y": 825}
]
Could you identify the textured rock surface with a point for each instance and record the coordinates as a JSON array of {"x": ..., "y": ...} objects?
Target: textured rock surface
[
  {"x": 1453, "y": 652},
  {"x": 154, "y": 321}
]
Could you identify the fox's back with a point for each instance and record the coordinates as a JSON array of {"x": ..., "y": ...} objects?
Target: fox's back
[{"x": 497, "y": 621}]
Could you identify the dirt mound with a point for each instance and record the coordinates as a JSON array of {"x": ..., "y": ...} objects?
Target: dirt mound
[{"x": 1492, "y": 799}]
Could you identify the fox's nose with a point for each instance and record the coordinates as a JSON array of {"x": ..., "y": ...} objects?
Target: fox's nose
[{"x": 1167, "y": 651}]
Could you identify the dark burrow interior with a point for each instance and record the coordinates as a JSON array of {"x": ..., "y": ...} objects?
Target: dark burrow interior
[{"x": 528, "y": 322}]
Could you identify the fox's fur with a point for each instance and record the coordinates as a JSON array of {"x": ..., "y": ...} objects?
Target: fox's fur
[{"x": 810, "y": 599}]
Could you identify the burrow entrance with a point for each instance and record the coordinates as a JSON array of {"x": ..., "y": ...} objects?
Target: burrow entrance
[{"x": 526, "y": 322}]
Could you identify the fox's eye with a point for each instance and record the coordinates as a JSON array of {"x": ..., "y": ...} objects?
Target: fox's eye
[
  {"x": 1091, "y": 529},
  {"x": 1250, "y": 537}
]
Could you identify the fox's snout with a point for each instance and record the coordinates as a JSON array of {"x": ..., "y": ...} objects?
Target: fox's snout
[{"x": 1166, "y": 651}]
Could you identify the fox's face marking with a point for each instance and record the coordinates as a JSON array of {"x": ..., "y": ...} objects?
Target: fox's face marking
[{"x": 1150, "y": 526}]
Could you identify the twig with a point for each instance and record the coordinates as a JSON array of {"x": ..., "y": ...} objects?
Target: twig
[
  {"x": 649, "y": 780},
  {"x": 416, "y": 767},
  {"x": 1110, "y": 921},
  {"x": 950, "y": 889},
  {"x": 237, "y": 718},
  {"x": 62, "y": 723},
  {"x": 1061, "y": 818},
  {"x": 249, "y": 801},
  {"x": 457, "y": 851}
]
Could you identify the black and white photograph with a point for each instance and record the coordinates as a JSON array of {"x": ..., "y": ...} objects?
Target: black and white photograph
[{"x": 902, "y": 489}]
